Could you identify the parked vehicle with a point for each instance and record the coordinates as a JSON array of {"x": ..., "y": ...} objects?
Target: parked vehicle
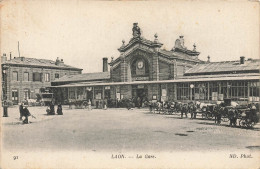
[{"x": 46, "y": 98}]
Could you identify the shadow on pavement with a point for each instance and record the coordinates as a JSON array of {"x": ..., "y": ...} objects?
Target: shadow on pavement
[
  {"x": 253, "y": 147},
  {"x": 226, "y": 125}
]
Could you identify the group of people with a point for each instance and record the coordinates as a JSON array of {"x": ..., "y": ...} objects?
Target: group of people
[
  {"x": 217, "y": 111},
  {"x": 25, "y": 113},
  {"x": 51, "y": 109}
]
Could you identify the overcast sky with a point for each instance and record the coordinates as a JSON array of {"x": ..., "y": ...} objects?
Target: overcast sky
[{"x": 83, "y": 32}]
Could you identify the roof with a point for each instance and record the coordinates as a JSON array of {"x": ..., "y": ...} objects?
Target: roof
[
  {"x": 241, "y": 77},
  {"x": 84, "y": 77},
  {"x": 24, "y": 61},
  {"x": 227, "y": 66},
  {"x": 179, "y": 55}
]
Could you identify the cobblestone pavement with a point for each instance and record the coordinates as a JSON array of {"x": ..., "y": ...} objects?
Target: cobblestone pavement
[{"x": 122, "y": 130}]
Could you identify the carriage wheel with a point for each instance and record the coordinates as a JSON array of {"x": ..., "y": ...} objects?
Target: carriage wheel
[
  {"x": 209, "y": 115},
  {"x": 242, "y": 123},
  {"x": 250, "y": 124},
  {"x": 225, "y": 119}
]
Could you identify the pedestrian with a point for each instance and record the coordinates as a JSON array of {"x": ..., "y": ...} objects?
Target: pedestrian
[
  {"x": 232, "y": 115},
  {"x": 21, "y": 110},
  {"x": 138, "y": 102},
  {"x": 193, "y": 111},
  {"x": 184, "y": 110},
  {"x": 89, "y": 105},
  {"x": 128, "y": 104},
  {"x": 52, "y": 110},
  {"x": 26, "y": 114},
  {"x": 150, "y": 106},
  {"x": 59, "y": 109},
  {"x": 105, "y": 105},
  {"x": 217, "y": 114},
  {"x": 5, "y": 107}
]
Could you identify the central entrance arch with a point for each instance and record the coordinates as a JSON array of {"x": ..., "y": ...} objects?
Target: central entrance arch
[{"x": 140, "y": 94}]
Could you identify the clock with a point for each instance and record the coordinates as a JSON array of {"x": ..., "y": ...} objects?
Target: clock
[{"x": 140, "y": 64}]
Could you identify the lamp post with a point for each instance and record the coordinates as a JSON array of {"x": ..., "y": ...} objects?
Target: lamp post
[
  {"x": 191, "y": 87},
  {"x": 4, "y": 89}
]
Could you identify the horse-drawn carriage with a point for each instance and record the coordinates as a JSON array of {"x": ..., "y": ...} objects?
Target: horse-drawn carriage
[{"x": 227, "y": 111}]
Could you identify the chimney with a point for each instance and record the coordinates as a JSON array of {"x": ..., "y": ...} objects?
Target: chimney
[
  {"x": 242, "y": 60},
  {"x": 105, "y": 68},
  {"x": 10, "y": 55},
  {"x": 208, "y": 59},
  {"x": 3, "y": 58}
]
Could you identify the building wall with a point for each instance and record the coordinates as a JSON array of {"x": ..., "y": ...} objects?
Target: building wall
[
  {"x": 32, "y": 86},
  {"x": 126, "y": 91},
  {"x": 116, "y": 74},
  {"x": 164, "y": 71}
]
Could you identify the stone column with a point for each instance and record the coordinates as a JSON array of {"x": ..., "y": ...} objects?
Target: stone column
[{"x": 155, "y": 67}]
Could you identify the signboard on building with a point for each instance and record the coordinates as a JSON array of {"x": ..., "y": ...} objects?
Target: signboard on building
[
  {"x": 140, "y": 78},
  {"x": 220, "y": 97},
  {"x": 196, "y": 96},
  {"x": 214, "y": 95},
  {"x": 164, "y": 92},
  {"x": 118, "y": 96}
]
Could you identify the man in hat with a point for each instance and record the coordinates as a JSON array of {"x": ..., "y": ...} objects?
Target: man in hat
[{"x": 26, "y": 114}]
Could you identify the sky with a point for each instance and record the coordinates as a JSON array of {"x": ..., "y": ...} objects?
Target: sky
[{"x": 83, "y": 32}]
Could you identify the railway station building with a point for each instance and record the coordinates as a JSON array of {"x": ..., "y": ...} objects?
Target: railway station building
[{"x": 145, "y": 70}]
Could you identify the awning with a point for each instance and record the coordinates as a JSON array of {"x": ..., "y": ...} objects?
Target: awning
[{"x": 162, "y": 81}]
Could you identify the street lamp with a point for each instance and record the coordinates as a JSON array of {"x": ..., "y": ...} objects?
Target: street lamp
[
  {"x": 5, "y": 105},
  {"x": 191, "y": 87}
]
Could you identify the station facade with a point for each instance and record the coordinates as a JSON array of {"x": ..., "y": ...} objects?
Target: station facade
[{"x": 146, "y": 71}]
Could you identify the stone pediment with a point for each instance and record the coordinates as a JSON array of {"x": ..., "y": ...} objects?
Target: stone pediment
[
  {"x": 140, "y": 41},
  {"x": 136, "y": 49}
]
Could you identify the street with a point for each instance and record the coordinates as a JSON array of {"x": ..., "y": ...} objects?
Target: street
[{"x": 121, "y": 130}]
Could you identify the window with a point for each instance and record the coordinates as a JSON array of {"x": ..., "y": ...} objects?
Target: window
[
  {"x": 72, "y": 93},
  {"x": 15, "y": 76},
  {"x": 15, "y": 96},
  {"x": 198, "y": 92},
  {"x": 37, "y": 77},
  {"x": 107, "y": 92},
  {"x": 183, "y": 91},
  {"x": 26, "y": 94},
  {"x": 57, "y": 76},
  {"x": 98, "y": 92},
  {"x": 254, "y": 92},
  {"x": 25, "y": 76},
  {"x": 47, "y": 77}
]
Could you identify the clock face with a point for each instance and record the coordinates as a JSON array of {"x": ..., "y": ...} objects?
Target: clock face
[{"x": 140, "y": 64}]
